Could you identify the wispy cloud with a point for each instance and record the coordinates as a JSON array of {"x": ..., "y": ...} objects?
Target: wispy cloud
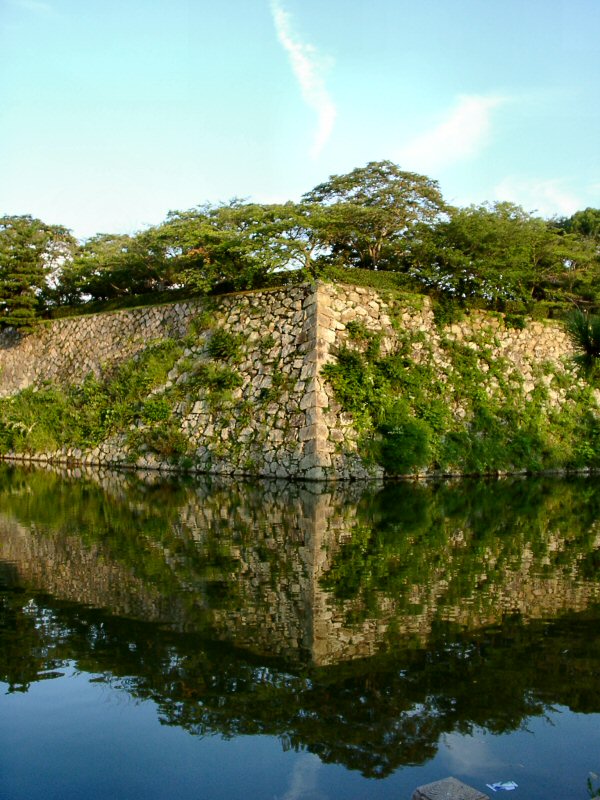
[
  {"x": 460, "y": 136},
  {"x": 37, "y": 6},
  {"x": 469, "y": 754},
  {"x": 309, "y": 68},
  {"x": 303, "y": 782},
  {"x": 546, "y": 197}
]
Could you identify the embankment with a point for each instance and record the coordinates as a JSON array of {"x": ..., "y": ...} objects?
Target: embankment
[{"x": 315, "y": 382}]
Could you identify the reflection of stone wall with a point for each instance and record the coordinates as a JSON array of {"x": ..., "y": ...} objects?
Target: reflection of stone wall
[
  {"x": 527, "y": 589},
  {"x": 282, "y": 421},
  {"x": 246, "y": 562},
  {"x": 62, "y": 566}
]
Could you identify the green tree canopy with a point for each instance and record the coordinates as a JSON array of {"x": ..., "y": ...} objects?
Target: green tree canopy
[
  {"x": 31, "y": 252},
  {"x": 372, "y": 211},
  {"x": 585, "y": 223},
  {"x": 108, "y": 266},
  {"x": 499, "y": 252}
]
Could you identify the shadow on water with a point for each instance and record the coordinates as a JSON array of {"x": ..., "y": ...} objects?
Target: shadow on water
[{"x": 352, "y": 622}]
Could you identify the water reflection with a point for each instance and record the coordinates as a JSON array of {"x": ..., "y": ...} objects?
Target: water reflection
[{"x": 360, "y": 624}]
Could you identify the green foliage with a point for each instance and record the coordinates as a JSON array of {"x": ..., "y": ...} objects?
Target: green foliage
[
  {"x": 585, "y": 223},
  {"x": 384, "y": 280},
  {"x": 81, "y": 416},
  {"x": 371, "y": 212},
  {"x": 267, "y": 342},
  {"x": 498, "y": 254},
  {"x": 447, "y": 311},
  {"x": 584, "y": 331},
  {"x": 516, "y": 321},
  {"x": 164, "y": 439},
  {"x": 156, "y": 409},
  {"x": 371, "y": 388},
  {"x": 472, "y": 417},
  {"x": 369, "y": 340},
  {"x": 376, "y": 225},
  {"x": 116, "y": 266},
  {"x": 30, "y": 253},
  {"x": 224, "y": 345},
  {"x": 217, "y": 379},
  {"x": 405, "y": 444}
]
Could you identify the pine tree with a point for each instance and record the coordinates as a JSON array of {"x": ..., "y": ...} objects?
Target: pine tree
[{"x": 29, "y": 251}]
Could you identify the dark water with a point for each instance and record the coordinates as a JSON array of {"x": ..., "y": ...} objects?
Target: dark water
[{"x": 224, "y": 640}]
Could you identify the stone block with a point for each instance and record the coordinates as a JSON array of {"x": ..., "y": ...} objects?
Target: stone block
[
  {"x": 448, "y": 789},
  {"x": 315, "y": 474}
]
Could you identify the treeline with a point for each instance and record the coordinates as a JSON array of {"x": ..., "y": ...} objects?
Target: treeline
[{"x": 377, "y": 218}]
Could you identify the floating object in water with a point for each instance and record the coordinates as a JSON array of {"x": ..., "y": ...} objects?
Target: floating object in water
[{"x": 499, "y": 786}]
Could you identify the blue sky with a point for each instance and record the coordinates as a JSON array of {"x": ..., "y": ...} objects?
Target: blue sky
[{"x": 113, "y": 112}]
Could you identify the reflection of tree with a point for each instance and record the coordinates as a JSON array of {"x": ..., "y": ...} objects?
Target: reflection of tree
[
  {"x": 31, "y": 643},
  {"x": 373, "y": 715},
  {"x": 191, "y": 553}
]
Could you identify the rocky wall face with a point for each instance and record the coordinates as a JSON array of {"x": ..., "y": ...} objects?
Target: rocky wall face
[
  {"x": 67, "y": 350},
  {"x": 528, "y": 363},
  {"x": 264, "y": 407}
]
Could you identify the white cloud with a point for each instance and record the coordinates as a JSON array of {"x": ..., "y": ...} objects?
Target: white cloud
[
  {"x": 308, "y": 67},
  {"x": 546, "y": 197},
  {"x": 303, "y": 781},
  {"x": 460, "y": 136}
]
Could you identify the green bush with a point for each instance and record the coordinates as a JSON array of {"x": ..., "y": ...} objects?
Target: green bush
[
  {"x": 405, "y": 444},
  {"x": 164, "y": 439},
  {"x": 447, "y": 310},
  {"x": 156, "y": 409},
  {"x": 516, "y": 321},
  {"x": 50, "y": 417},
  {"x": 224, "y": 345},
  {"x": 584, "y": 332},
  {"x": 216, "y": 378}
]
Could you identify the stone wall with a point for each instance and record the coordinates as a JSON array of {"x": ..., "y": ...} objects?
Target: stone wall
[
  {"x": 282, "y": 421},
  {"x": 69, "y": 349}
]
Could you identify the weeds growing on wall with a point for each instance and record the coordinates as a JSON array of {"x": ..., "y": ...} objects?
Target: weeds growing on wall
[
  {"x": 472, "y": 415},
  {"x": 140, "y": 400},
  {"x": 46, "y": 418},
  {"x": 584, "y": 330},
  {"x": 224, "y": 345}
]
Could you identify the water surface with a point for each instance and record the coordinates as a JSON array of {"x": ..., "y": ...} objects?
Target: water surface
[{"x": 219, "y": 639}]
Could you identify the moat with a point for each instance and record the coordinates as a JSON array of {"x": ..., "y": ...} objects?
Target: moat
[{"x": 222, "y": 639}]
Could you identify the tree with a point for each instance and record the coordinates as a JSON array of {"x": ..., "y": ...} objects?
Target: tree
[
  {"x": 239, "y": 245},
  {"x": 291, "y": 234},
  {"x": 372, "y": 211},
  {"x": 499, "y": 252},
  {"x": 30, "y": 252},
  {"x": 116, "y": 265},
  {"x": 218, "y": 246},
  {"x": 585, "y": 223}
]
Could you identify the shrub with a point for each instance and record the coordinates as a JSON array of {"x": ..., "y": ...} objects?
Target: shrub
[
  {"x": 584, "y": 331},
  {"x": 156, "y": 409},
  {"x": 405, "y": 445},
  {"x": 516, "y": 321},
  {"x": 224, "y": 345}
]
